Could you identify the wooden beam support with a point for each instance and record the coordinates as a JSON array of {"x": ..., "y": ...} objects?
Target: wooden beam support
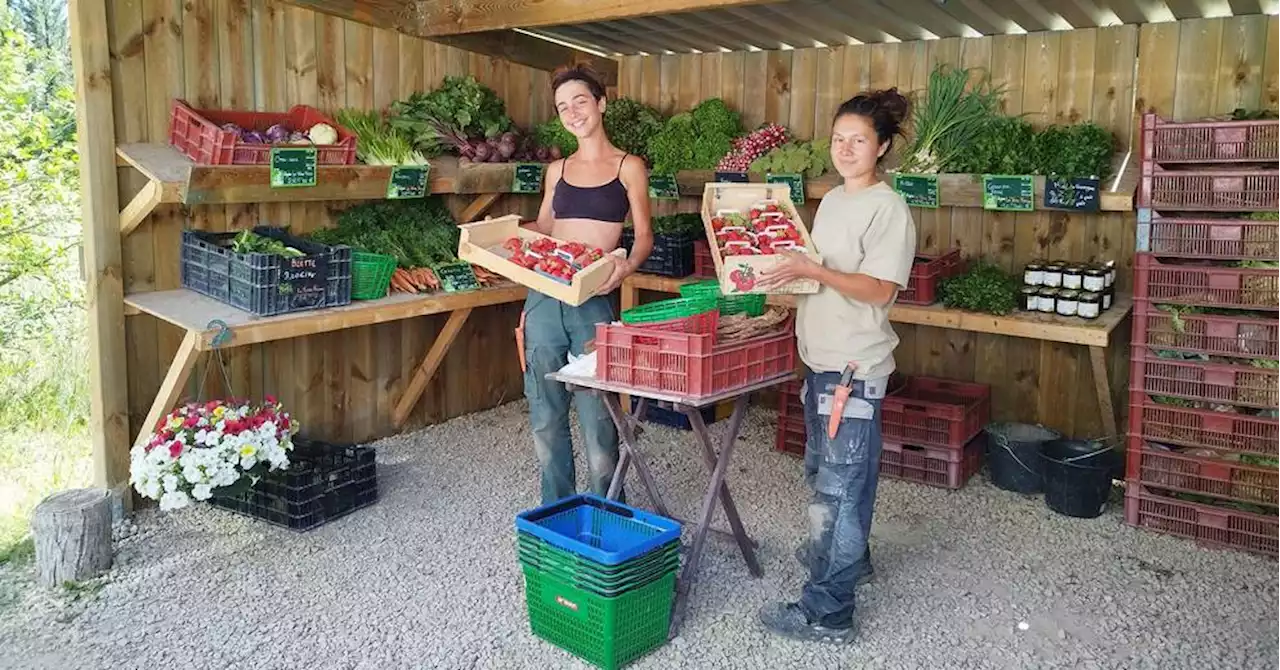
[
  {"x": 452, "y": 17},
  {"x": 100, "y": 208},
  {"x": 478, "y": 207},
  {"x": 499, "y": 43},
  {"x": 174, "y": 381},
  {"x": 1102, "y": 384},
  {"x": 140, "y": 207},
  {"x": 422, "y": 376}
]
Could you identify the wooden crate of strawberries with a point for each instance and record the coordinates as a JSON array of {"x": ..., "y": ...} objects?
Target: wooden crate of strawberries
[
  {"x": 567, "y": 271},
  {"x": 747, "y": 224}
]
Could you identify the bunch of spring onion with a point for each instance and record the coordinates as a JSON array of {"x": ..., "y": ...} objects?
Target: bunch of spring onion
[
  {"x": 950, "y": 118},
  {"x": 377, "y": 142}
]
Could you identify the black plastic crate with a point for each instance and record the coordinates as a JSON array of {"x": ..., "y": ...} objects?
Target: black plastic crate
[
  {"x": 266, "y": 284},
  {"x": 323, "y": 482},
  {"x": 672, "y": 255},
  {"x": 655, "y": 412}
]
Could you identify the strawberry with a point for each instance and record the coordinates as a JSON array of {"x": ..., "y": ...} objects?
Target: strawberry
[
  {"x": 771, "y": 208},
  {"x": 755, "y": 213},
  {"x": 514, "y": 244}
]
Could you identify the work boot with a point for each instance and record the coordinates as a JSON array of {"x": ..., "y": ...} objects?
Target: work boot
[
  {"x": 863, "y": 579},
  {"x": 789, "y": 620}
]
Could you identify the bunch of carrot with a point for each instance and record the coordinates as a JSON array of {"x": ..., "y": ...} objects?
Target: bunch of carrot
[{"x": 414, "y": 280}]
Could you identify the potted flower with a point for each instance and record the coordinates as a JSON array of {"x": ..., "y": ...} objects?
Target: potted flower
[{"x": 218, "y": 446}]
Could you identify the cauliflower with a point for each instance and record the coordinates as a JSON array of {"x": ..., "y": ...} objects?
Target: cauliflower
[{"x": 323, "y": 133}]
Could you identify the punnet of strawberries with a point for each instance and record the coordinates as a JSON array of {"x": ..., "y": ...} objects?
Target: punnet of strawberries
[
  {"x": 557, "y": 260},
  {"x": 761, "y": 231}
]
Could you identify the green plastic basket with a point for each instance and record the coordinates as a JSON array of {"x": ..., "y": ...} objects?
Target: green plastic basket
[
  {"x": 666, "y": 310},
  {"x": 752, "y": 303},
  {"x": 370, "y": 275},
  {"x": 606, "y": 632},
  {"x": 602, "y": 580}
]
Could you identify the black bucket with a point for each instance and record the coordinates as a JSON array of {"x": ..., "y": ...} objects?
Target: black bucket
[
  {"x": 1013, "y": 455},
  {"x": 1077, "y": 476}
]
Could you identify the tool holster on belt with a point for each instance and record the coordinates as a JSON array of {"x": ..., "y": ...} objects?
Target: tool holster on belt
[{"x": 520, "y": 342}]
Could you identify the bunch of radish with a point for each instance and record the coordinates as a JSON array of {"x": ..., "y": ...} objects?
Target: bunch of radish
[
  {"x": 762, "y": 231},
  {"x": 752, "y": 146},
  {"x": 507, "y": 147}
]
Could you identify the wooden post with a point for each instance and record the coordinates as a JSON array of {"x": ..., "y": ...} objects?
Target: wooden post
[
  {"x": 108, "y": 386},
  {"x": 72, "y": 533}
]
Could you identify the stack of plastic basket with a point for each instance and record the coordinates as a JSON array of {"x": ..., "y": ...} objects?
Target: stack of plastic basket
[
  {"x": 1202, "y": 444},
  {"x": 599, "y": 577}
]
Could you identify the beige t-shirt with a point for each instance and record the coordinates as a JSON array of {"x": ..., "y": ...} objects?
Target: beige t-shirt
[{"x": 870, "y": 232}]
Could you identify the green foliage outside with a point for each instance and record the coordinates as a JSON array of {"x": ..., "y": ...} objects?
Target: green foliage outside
[{"x": 44, "y": 406}]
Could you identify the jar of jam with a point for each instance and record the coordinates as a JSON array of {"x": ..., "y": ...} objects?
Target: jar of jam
[
  {"x": 1048, "y": 301},
  {"x": 1029, "y": 301},
  {"x": 1108, "y": 296},
  {"x": 1095, "y": 279},
  {"x": 1068, "y": 302},
  {"x": 1053, "y": 274},
  {"x": 1090, "y": 305},
  {"x": 1073, "y": 277},
  {"x": 1033, "y": 274},
  {"x": 1110, "y": 267}
]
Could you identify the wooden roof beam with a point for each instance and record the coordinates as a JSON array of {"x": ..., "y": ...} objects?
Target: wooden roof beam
[{"x": 505, "y": 44}]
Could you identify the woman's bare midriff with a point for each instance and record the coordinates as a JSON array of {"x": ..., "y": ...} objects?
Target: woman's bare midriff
[{"x": 600, "y": 234}]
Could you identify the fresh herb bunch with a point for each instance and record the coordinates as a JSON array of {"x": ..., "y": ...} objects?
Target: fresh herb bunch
[
  {"x": 1080, "y": 150},
  {"x": 1006, "y": 146},
  {"x": 983, "y": 288},
  {"x": 249, "y": 242},
  {"x": 444, "y": 119},
  {"x": 378, "y": 143},
  {"x": 419, "y": 233},
  {"x": 953, "y": 115},
  {"x": 812, "y": 159},
  {"x": 695, "y": 140}
]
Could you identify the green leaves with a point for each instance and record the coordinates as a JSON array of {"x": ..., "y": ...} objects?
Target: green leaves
[
  {"x": 417, "y": 232},
  {"x": 444, "y": 118},
  {"x": 695, "y": 140},
  {"x": 950, "y": 118},
  {"x": 984, "y": 288},
  {"x": 812, "y": 159}
]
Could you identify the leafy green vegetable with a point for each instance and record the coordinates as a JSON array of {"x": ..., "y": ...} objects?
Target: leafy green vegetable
[
  {"x": 952, "y": 116},
  {"x": 1007, "y": 146},
  {"x": 249, "y": 242},
  {"x": 1080, "y": 150},
  {"x": 552, "y": 133},
  {"x": 1263, "y": 216},
  {"x": 445, "y": 118},
  {"x": 695, "y": 140},
  {"x": 418, "y": 233},
  {"x": 378, "y": 142},
  {"x": 1242, "y": 114},
  {"x": 983, "y": 288},
  {"x": 812, "y": 159}
]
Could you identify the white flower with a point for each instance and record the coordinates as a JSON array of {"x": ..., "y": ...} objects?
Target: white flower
[
  {"x": 151, "y": 489},
  {"x": 202, "y": 492},
  {"x": 170, "y": 483},
  {"x": 248, "y": 462},
  {"x": 174, "y": 500}
]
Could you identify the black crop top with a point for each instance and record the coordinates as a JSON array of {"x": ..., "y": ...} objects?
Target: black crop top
[{"x": 607, "y": 202}]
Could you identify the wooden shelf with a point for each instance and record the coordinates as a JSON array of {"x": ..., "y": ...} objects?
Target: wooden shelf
[
  {"x": 193, "y": 312},
  {"x": 1036, "y": 326}
]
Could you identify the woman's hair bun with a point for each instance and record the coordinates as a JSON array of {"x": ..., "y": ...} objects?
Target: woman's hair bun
[{"x": 892, "y": 106}]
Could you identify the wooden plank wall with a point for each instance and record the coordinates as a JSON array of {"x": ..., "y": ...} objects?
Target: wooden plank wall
[
  {"x": 259, "y": 54},
  {"x": 1185, "y": 69}
]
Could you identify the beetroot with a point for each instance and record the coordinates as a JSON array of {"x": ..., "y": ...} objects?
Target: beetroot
[{"x": 482, "y": 152}]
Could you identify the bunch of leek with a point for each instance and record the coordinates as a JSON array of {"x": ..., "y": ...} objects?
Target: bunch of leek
[
  {"x": 377, "y": 142},
  {"x": 952, "y": 116}
]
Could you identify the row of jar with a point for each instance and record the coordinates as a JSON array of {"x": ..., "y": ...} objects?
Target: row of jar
[
  {"x": 1075, "y": 276},
  {"x": 1066, "y": 301}
]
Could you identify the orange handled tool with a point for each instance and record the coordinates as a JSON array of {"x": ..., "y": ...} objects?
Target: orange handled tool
[
  {"x": 520, "y": 342},
  {"x": 838, "y": 402}
]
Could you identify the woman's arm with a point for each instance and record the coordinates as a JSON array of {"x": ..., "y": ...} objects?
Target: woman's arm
[
  {"x": 855, "y": 285},
  {"x": 546, "y": 217}
]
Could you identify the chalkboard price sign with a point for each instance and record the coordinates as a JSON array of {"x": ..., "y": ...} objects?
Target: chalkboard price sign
[
  {"x": 795, "y": 181},
  {"x": 731, "y": 177},
  {"x": 305, "y": 280},
  {"x": 528, "y": 178},
  {"x": 1008, "y": 193},
  {"x": 1080, "y": 194},
  {"x": 664, "y": 187},
  {"x": 293, "y": 167},
  {"x": 455, "y": 277},
  {"x": 408, "y": 181},
  {"x": 919, "y": 190}
]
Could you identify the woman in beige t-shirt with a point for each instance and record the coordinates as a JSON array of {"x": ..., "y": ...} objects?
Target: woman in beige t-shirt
[{"x": 867, "y": 239}]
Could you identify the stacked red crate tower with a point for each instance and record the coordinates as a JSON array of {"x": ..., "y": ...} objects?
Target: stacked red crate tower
[{"x": 1202, "y": 445}]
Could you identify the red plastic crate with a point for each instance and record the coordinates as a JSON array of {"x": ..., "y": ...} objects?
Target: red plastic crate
[
  {"x": 1202, "y": 428},
  {"x": 1214, "y": 526},
  {"x": 1219, "y": 383},
  {"x": 933, "y": 412},
  {"x": 199, "y": 135},
  {"x": 926, "y": 273},
  {"x": 1243, "y": 337},
  {"x": 1209, "y": 190},
  {"x": 1209, "y": 141},
  {"x": 1199, "y": 237},
  {"x": 689, "y": 365},
  {"x": 1206, "y": 286},
  {"x": 1204, "y": 475},
  {"x": 791, "y": 436},
  {"x": 703, "y": 264},
  {"x": 942, "y": 467}
]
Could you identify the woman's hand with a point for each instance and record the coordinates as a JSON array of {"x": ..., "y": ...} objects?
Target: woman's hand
[
  {"x": 794, "y": 265},
  {"x": 621, "y": 268}
]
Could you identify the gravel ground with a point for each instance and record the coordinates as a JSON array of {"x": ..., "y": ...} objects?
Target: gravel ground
[{"x": 427, "y": 578}]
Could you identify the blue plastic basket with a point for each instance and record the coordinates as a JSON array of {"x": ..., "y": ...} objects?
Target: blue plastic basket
[{"x": 599, "y": 530}]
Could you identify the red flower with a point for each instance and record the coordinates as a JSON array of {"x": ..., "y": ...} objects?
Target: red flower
[
  {"x": 175, "y": 449},
  {"x": 271, "y": 400},
  {"x": 191, "y": 422}
]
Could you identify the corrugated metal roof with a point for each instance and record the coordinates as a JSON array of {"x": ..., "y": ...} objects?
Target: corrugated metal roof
[{"x": 810, "y": 23}]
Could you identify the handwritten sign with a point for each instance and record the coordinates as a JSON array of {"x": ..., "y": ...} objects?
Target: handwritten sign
[
  {"x": 408, "y": 181},
  {"x": 731, "y": 177},
  {"x": 1080, "y": 194},
  {"x": 455, "y": 277},
  {"x": 528, "y": 178},
  {"x": 1008, "y": 193},
  {"x": 664, "y": 187},
  {"x": 305, "y": 280},
  {"x": 293, "y": 167},
  {"x": 795, "y": 181},
  {"x": 919, "y": 190}
]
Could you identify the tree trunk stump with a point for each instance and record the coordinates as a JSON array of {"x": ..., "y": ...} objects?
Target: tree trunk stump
[{"x": 72, "y": 533}]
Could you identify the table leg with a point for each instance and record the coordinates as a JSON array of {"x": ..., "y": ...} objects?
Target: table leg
[
  {"x": 1102, "y": 383},
  {"x": 628, "y": 452},
  {"x": 745, "y": 543}
]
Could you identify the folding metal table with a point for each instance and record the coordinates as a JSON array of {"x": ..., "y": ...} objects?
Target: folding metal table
[{"x": 717, "y": 461}]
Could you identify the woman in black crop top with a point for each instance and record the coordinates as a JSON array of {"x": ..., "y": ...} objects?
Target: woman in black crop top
[{"x": 587, "y": 198}]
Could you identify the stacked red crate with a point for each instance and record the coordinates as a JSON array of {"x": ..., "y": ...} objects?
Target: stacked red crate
[{"x": 1203, "y": 429}]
